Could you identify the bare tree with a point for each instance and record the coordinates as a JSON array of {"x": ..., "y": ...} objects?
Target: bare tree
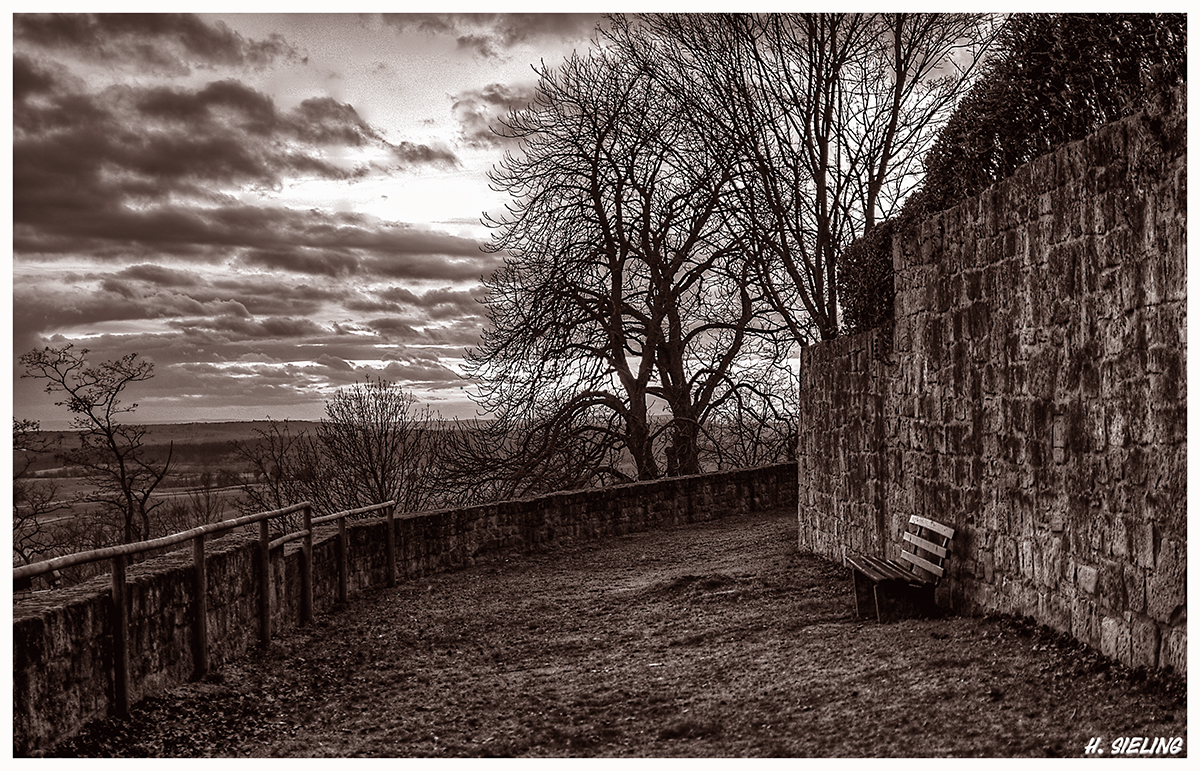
[
  {"x": 754, "y": 424},
  {"x": 377, "y": 445},
  {"x": 199, "y": 505},
  {"x": 828, "y": 116},
  {"x": 373, "y": 445},
  {"x": 624, "y": 294},
  {"x": 508, "y": 458},
  {"x": 111, "y": 453},
  {"x": 283, "y": 470},
  {"x": 34, "y": 501}
]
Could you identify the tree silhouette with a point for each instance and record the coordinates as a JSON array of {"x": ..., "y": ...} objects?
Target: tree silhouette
[
  {"x": 110, "y": 452},
  {"x": 33, "y": 500},
  {"x": 625, "y": 309},
  {"x": 826, "y": 117},
  {"x": 373, "y": 445}
]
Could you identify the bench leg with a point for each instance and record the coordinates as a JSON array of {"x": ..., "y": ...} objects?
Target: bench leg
[
  {"x": 862, "y": 593},
  {"x": 879, "y": 603}
]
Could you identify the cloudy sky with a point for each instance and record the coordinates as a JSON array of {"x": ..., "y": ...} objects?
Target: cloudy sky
[{"x": 268, "y": 206}]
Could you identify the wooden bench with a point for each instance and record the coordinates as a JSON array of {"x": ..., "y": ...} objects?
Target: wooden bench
[{"x": 910, "y": 580}]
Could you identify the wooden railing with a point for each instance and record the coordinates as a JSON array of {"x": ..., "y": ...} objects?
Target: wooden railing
[{"x": 120, "y": 557}]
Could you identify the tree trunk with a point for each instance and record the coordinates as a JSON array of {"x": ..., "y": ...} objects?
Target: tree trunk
[
  {"x": 685, "y": 449},
  {"x": 641, "y": 447}
]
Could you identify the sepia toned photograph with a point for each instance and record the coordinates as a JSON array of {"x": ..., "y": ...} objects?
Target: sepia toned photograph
[{"x": 689, "y": 384}]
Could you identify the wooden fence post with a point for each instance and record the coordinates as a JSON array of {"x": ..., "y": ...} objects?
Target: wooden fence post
[
  {"x": 120, "y": 637},
  {"x": 264, "y": 583},
  {"x": 343, "y": 565},
  {"x": 306, "y": 570},
  {"x": 391, "y": 545},
  {"x": 200, "y": 620}
]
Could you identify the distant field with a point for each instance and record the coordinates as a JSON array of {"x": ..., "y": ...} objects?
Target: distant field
[
  {"x": 203, "y": 456},
  {"x": 203, "y": 433},
  {"x": 195, "y": 448},
  {"x": 193, "y": 445}
]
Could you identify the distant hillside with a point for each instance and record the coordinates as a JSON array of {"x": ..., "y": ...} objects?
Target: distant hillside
[
  {"x": 194, "y": 443},
  {"x": 204, "y": 433}
]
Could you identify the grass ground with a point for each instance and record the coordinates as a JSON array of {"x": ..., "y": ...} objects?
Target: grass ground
[{"x": 716, "y": 640}]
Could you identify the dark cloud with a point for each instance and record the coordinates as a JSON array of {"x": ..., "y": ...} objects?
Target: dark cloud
[
  {"x": 461, "y": 333},
  {"x": 38, "y": 313},
  {"x": 420, "y": 372},
  {"x": 143, "y": 170},
  {"x": 478, "y": 112},
  {"x": 273, "y": 328},
  {"x": 159, "y": 43},
  {"x": 347, "y": 245},
  {"x": 424, "y": 266},
  {"x": 435, "y": 303},
  {"x": 243, "y": 367},
  {"x": 186, "y": 300},
  {"x": 95, "y": 152},
  {"x": 313, "y": 262},
  {"x": 326, "y": 121},
  {"x": 492, "y": 35},
  {"x": 334, "y": 363},
  {"x": 449, "y": 303},
  {"x": 31, "y": 78},
  {"x": 395, "y": 330},
  {"x": 304, "y": 242},
  {"x": 160, "y": 275},
  {"x": 409, "y": 154}
]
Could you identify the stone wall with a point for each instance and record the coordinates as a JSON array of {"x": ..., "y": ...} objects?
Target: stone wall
[
  {"x": 62, "y": 661},
  {"x": 1031, "y": 393}
]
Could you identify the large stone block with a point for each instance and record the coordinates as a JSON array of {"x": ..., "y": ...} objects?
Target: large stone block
[
  {"x": 1173, "y": 649},
  {"x": 1086, "y": 577},
  {"x": 1116, "y": 638},
  {"x": 1166, "y": 584},
  {"x": 1084, "y": 622},
  {"x": 1144, "y": 642}
]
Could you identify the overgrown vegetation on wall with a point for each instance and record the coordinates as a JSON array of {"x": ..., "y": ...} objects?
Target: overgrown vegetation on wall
[
  {"x": 1055, "y": 78},
  {"x": 865, "y": 279}
]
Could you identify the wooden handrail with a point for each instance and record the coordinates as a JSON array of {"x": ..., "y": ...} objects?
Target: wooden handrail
[
  {"x": 140, "y": 547},
  {"x": 281, "y": 540},
  {"x": 352, "y": 512}
]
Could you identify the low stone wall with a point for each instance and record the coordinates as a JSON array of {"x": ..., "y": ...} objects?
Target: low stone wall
[
  {"x": 62, "y": 660},
  {"x": 1032, "y": 394}
]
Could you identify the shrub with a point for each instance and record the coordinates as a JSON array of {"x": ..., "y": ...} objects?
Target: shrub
[
  {"x": 865, "y": 283},
  {"x": 1055, "y": 78}
]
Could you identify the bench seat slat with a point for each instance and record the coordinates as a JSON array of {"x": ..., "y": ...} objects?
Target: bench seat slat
[
  {"x": 859, "y": 563},
  {"x": 928, "y": 546},
  {"x": 896, "y": 570},
  {"x": 884, "y": 570},
  {"x": 876, "y": 569}
]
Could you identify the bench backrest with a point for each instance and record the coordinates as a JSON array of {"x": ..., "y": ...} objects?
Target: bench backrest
[{"x": 925, "y": 546}]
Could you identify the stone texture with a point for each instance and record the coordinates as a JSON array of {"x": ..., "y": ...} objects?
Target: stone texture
[{"x": 1031, "y": 392}]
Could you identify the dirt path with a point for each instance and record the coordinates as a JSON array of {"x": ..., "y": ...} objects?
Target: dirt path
[{"x": 716, "y": 640}]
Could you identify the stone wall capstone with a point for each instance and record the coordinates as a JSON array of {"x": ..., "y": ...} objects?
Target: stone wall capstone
[
  {"x": 1030, "y": 392},
  {"x": 62, "y": 639}
]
